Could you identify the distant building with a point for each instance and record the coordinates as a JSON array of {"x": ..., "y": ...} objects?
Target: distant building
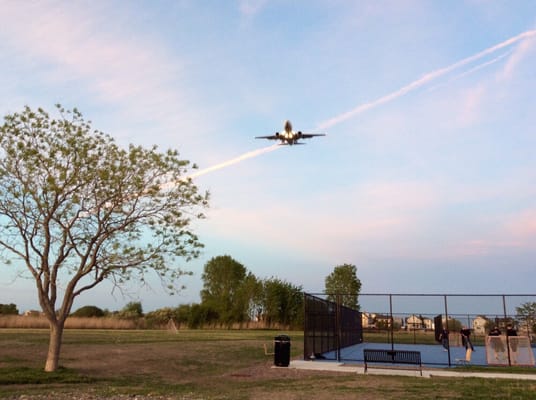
[
  {"x": 32, "y": 313},
  {"x": 479, "y": 325},
  {"x": 383, "y": 321},
  {"x": 414, "y": 322},
  {"x": 368, "y": 320}
]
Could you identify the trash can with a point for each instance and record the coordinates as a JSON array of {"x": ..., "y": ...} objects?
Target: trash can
[{"x": 282, "y": 351}]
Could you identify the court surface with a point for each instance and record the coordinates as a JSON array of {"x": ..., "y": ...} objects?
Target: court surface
[{"x": 431, "y": 355}]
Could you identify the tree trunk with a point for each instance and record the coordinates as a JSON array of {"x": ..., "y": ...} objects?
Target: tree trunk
[{"x": 54, "y": 346}]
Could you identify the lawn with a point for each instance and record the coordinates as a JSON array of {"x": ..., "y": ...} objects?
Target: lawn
[{"x": 204, "y": 364}]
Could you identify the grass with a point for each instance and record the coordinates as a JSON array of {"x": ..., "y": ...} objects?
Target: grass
[{"x": 208, "y": 364}]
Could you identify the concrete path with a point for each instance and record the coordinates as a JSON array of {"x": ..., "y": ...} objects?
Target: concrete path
[{"x": 426, "y": 373}]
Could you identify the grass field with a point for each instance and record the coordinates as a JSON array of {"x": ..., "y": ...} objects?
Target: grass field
[{"x": 204, "y": 364}]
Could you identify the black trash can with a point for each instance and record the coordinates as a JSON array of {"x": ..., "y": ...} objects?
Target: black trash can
[{"x": 282, "y": 351}]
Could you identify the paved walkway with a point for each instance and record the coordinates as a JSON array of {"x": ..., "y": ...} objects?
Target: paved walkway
[{"x": 426, "y": 373}]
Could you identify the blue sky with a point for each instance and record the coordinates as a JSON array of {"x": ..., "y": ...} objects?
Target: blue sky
[{"x": 426, "y": 180}]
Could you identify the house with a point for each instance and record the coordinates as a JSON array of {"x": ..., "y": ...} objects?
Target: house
[
  {"x": 383, "y": 321},
  {"x": 479, "y": 325},
  {"x": 368, "y": 320},
  {"x": 428, "y": 324},
  {"x": 32, "y": 313},
  {"x": 414, "y": 322}
]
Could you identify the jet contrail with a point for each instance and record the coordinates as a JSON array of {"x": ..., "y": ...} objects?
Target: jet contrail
[
  {"x": 216, "y": 167},
  {"x": 422, "y": 81},
  {"x": 472, "y": 70},
  {"x": 373, "y": 104},
  {"x": 243, "y": 157}
]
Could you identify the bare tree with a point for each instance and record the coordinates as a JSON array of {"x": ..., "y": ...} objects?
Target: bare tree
[{"x": 76, "y": 209}]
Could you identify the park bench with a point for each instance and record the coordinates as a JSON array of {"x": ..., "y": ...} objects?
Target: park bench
[{"x": 392, "y": 357}]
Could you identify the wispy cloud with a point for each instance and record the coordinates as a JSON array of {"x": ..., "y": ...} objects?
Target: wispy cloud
[
  {"x": 131, "y": 74},
  {"x": 519, "y": 54},
  {"x": 332, "y": 225},
  {"x": 251, "y": 7},
  {"x": 522, "y": 226}
]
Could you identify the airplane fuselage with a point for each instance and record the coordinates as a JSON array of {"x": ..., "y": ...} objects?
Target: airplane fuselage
[{"x": 287, "y": 134}]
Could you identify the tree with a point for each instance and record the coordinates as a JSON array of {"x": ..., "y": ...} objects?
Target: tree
[
  {"x": 225, "y": 283},
  {"x": 201, "y": 314},
  {"x": 132, "y": 310},
  {"x": 9, "y": 309},
  {"x": 160, "y": 317},
  {"x": 88, "y": 312},
  {"x": 182, "y": 313},
  {"x": 526, "y": 312},
  {"x": 76, "y": 209},
  {"x": 454, "y": 325},
  {"x": 282, "y": 303},
  {"x": 343, "y": 281}
]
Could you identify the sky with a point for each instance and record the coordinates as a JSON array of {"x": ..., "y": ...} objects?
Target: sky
[{"x": 426, "y": 180}]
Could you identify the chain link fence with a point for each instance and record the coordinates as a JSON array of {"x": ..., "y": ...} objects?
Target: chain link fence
[{"x": 413, "y": 319}]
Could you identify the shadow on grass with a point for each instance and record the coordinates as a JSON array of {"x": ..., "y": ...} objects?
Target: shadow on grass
[{"x": 31, "y": 376}]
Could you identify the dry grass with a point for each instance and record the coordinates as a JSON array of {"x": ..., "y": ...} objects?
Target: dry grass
[{"x": 40, "y": 322}]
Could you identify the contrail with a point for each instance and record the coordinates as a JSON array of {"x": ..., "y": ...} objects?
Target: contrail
[
  {"x": 472, "y": 70},
  {"x": 422, "y": 81},
  {"x": 216, "y": 167},
  {"x": 243, "y": 157},
  {"x": 382, "y": 100}
]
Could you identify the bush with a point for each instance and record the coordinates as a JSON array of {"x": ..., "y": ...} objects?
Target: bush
[
  {"x": 160, "y": 317},
  {"x": 88, "y": 312},
  {"x": 9, "y": 309},
  {"x": 132, "y": 310}
]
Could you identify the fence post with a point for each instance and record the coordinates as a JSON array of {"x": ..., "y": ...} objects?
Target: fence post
[
  {"x": 391, "y": 321},
  {"x": 338, "y": 326},
  {"x": 448, "y": 330},
  {"x": 507, "y": 338}
]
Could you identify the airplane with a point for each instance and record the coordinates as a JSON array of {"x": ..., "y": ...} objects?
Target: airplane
[{"x": 289, "y": 137}]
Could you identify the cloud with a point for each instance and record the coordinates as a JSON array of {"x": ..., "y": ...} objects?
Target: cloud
[
  {"x": 481, "y": 247},
  {"x": 440, "y": 219},
  {"x": 251, "y": 8},
  {"x": 520, "y": 53},
  {"x": 470, "y": 104},
  {"x": 77, "y": 44},
  {"x": 331, "y": 226},
  {"x": 522, "y": 226}
]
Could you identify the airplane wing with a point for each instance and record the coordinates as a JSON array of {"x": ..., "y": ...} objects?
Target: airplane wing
[
  {"x": 271, "y": 137},
  {"x": 309, "y": 135}
]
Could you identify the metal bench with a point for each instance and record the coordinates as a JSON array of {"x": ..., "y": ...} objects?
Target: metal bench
[{"x": 392, "y": 357}]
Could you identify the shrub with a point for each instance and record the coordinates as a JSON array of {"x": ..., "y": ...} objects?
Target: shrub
[
  {"x": 88, "y": 312},
  {"x": 9, "y": 309}
]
